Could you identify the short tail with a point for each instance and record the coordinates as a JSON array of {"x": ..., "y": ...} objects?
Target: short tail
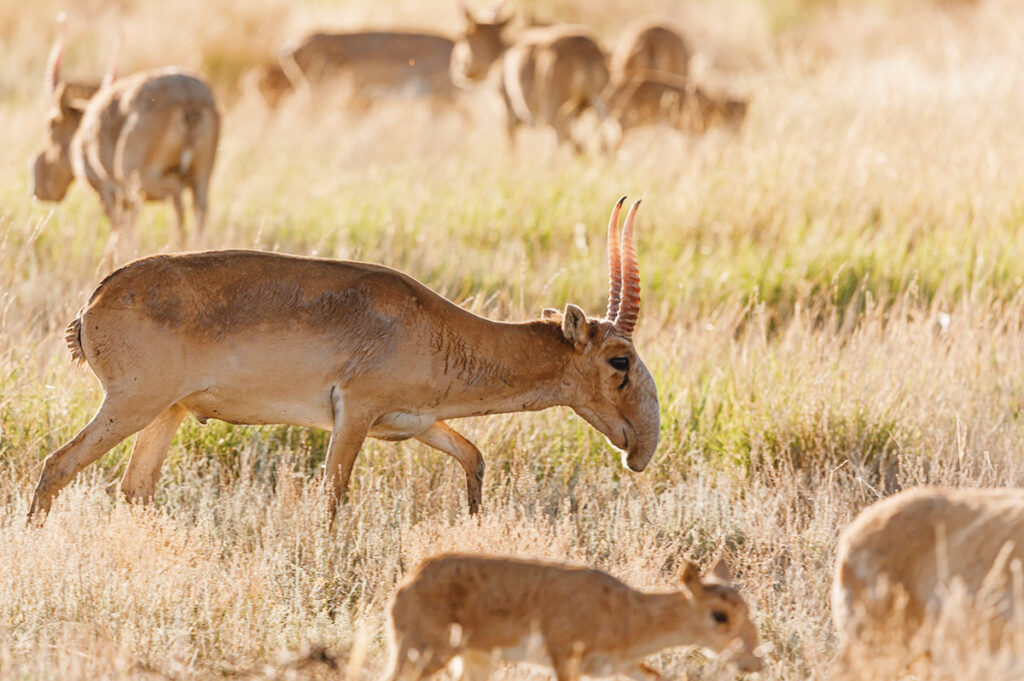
[{"x": 73, "y": 338}]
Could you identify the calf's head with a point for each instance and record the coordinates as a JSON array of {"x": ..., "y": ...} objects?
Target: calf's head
[
  {"x": 716, "y": 616},
  {"x": 611, "y": 387}
]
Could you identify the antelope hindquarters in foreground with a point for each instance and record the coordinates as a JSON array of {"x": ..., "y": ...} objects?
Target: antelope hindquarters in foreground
[{"x": 905, "y": 560}]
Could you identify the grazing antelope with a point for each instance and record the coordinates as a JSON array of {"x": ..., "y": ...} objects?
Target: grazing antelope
[
  {"x": 374, "y": 63},
  {"x": 578, "y": 620},
  {"x": 149, "y": 136},
  {"x": 360, "y": 349},
  {"x": 268, "y": 81},
  {"x": 651, "y": 97},
  {"x": 547, "y": 76},
  {"x": 650, "y": 45},
  {"x": 897, "y": 560}
]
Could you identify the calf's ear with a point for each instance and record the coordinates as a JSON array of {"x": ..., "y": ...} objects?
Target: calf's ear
[
  {"x": 721, "y": 571},
  {"x": 689, "y": 575}
]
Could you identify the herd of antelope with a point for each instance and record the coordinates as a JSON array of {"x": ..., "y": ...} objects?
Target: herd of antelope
[
  {"x": 545, "y": 75},
  {"x": 362, "y": 350}
]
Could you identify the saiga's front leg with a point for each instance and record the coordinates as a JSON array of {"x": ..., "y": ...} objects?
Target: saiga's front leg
[
  {"x": 445, "y": 438},
  {"x": 350, "y": 429}
]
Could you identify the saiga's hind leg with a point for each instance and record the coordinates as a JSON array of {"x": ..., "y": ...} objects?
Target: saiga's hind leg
[
  {"x": 116, "y": 419},
  {"x": 151, "y": 445}
]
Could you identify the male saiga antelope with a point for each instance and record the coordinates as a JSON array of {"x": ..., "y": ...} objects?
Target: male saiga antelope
[
  {"x": 149, "y": 136},
  {"x": 360, "y": 349},
  {"x": 580, "y": 621},
  {"x": 897, "y": 560},
  {"x": 546, "y": 76}
]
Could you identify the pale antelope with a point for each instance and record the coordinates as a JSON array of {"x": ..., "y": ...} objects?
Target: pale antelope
[
  {"x": 149, "y": 136},
  {"x": 547, "y": 76},
  {"x": 650, "y": 45},
  {"x": 899, "y": 559},
  {"x": 375, "y": 64},
  {"x": 360, "y": 349},
  {"x": 474, "y": 611}
]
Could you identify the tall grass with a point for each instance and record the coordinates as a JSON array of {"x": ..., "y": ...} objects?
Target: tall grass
[{"x": 832, "y": 311}]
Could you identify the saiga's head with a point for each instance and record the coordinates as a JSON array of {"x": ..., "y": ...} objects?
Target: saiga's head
[
  {"x": 611, "y": 387},
  {"x": 51, "y": 169},
  {"x": 478, "y": 48},
  {"x": 716, "y": 616}
]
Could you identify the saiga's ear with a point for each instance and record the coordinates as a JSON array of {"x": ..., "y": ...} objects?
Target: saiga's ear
[
  {"x": 721, "y": 572},
  {"x": 468, "y": 16},
  {"x": 575, "y": 326},
  {"x": 549, "y": 313},
  {"x": 689, "y": 575}
]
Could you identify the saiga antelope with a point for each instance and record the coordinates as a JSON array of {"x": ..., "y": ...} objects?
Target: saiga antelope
[
  {"x": 149, "y": 136},
  {"x": 652, "y": 97},
  {"x": 360, "y": 349},
  {"x": 578, "y": 620},
  {"x": 897, "y": 560},
  {"x": 650, "y": 45},
  {"x": 548, "y": 75},
  {"x": 375, "y": 63}
]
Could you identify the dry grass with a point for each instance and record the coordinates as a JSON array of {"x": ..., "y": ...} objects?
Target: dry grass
[{"x": 833, "y": 311}]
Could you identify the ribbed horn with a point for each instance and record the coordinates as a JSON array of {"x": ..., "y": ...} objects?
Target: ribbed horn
[
  {"x": 55, "y": 58},
  {"x": 629, "y": 309},
  {"x": 115, "y": 62},
  {"x": 614, "y": 263}
]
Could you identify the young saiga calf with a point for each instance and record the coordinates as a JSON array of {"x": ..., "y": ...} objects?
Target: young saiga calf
[
  {"x": 360, "y": 349},
  {"x": 580, "y": 621}
]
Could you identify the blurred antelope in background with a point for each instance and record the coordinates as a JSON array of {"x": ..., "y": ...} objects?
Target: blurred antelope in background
[
  {"x": 650, "y": 45},
  {"x": 654, "y": 97},
  {"x": 149, "y": 136},
  {"x": 360, "y": 349},
  {"x": 471, "y": 610},
  {"x": 373, "y": 64},
  {"x": 546, "y": 76},
  {"x": 901, "y": 558}
]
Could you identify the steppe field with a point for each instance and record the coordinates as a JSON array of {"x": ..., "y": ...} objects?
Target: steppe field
[{"x": 833, "y": 310}]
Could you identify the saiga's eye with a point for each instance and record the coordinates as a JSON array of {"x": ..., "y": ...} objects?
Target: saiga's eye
[{"x": 619, "y": 363}]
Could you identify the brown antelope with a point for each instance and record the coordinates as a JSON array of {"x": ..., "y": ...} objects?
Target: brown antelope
[
  {"x": 899, "y": 558},
  {"x": 268, "y": 81},
  {"x": 360, "y": 349},
  {"x": 650, "y": 45},
  {"x": 374, "y": 63},
  {"x": 580, "y": 621},
  {"x": 653, "y": 97},
  {"x": 149, "y": 136},
  {"x": 547, "y": 76}
]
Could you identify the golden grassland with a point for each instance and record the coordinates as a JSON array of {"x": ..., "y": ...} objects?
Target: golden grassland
[{"x": 833, "y": 311}]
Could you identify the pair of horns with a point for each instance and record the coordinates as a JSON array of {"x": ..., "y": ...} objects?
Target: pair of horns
[{"x": 623, "y": 271}]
